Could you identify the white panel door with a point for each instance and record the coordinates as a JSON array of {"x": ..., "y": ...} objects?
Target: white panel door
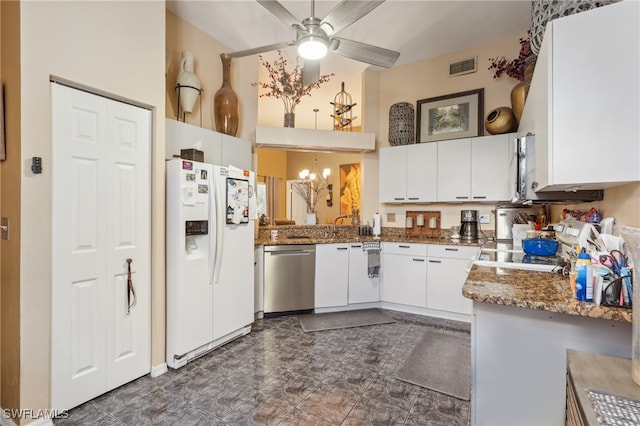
[
  {"x": 101, "y": 218},
  {"x": 490, "y": 168},
  {"x": 454, "y": 170},
  {"x": 332, "y": 275}
]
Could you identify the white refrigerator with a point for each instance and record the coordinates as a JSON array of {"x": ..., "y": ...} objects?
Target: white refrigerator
[{"x": 210, "y": 239}]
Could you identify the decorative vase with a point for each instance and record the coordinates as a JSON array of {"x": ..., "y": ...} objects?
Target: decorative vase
[
  {"x": 520, "y": 91},
  {"x": 401, "y": 122},
  {"x": 631, "y": 238},
  {"x": 501, "y": 120},
  {"x": 188, "y": 83},
  {"x": 225, "y": 102},
  {"x": 289, "y": 119},
  {"x": 311, "y": 219}
]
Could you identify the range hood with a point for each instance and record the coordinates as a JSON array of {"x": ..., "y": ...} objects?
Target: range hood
[{"x": 314, "y": 140}]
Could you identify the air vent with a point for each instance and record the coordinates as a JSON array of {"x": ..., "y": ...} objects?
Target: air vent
[{"x": 465, "y": 66}]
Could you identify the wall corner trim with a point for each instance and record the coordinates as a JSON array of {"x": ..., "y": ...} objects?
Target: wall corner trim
[{"x": 159, "y": 370}]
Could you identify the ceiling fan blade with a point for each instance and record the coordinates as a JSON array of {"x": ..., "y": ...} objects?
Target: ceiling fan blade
[
  {"x": 310, "y": 71},
  {"x": 262, "y": 49},
  {"x": 365, "y": 52},
  {"x": 279, "y": 11},
  {"x": 346, "y": 13}
]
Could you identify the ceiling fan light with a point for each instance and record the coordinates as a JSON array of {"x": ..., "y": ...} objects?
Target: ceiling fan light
[{"x": 311, "y": 47}]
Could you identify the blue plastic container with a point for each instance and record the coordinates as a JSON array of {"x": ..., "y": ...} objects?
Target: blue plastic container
[{"x": 540, "y": 246}]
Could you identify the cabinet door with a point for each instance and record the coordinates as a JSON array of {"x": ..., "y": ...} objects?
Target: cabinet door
[
  {"x": 393, "y": 174},
  {"x": 362, "y": 288},
  {"x": 404, "y": 279},
  {"x": 422, "y": 172},
  {"x": 332, "y": 275},
  {"x": 490, "y": 168},
  {"x": 454, "y": 170},
  {"x": 445, "y": 278},
  {"x": 236, "y": 152}
]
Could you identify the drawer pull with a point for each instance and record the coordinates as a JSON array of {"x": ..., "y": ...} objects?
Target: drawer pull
[
  {"x": 479, "y": 197},
  {"x": 418, "y": 260},
  {"x": 401, "y": 246},
  {"x": 414, "y": 198},
  {"x": 462, "y": 197},
  {"x": 451, "y": 249},
  {"x": 435, "y": 261},
  {"x": 356, "y": 246},
  {"x": 343, "y": 248},
  {"x": 398, "y": 198}
]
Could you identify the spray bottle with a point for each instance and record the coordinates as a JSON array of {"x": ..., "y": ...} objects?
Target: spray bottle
[{"x": 584, "y": 277}]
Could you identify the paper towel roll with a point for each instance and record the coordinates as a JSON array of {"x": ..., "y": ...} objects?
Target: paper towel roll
[{"x": 376, "y": 224}]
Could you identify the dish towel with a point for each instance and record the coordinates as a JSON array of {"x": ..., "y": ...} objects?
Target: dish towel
[{"x": 373, "y": 259}]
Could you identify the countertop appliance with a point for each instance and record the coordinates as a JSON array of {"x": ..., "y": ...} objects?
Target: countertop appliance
[
  {"x": 469, "y": 225},
  {"x": 289, "y": 279},
  {"x": 210, "y": 241},
  {"x": 507, "y": 215},
  {"x": 522, "y": 172}
]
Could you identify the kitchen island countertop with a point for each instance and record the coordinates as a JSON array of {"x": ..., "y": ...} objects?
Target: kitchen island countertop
[{"x": 542, "y": 291}]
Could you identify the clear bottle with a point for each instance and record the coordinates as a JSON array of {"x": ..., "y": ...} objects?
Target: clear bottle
[{"x": 584, "y": 277}]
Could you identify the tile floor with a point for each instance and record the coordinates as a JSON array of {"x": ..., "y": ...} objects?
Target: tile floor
[{"x": 280, "y": 375}]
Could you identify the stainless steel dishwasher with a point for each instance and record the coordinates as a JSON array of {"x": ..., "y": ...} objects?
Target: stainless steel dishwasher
[{"x": 289, "y": 278}]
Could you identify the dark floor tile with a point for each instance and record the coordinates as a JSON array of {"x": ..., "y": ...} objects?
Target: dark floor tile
[
  {"x": 220, "y": 399},
  {"x": 350, "y": 378},
  {"x": 331, "y": 403},
  {"x": 368, "y": 412},
  {"x": 260, "y": 411},
  {"x": 290, "y": 388},
  {"x": 87, "y": 414},
  {"x": 392, "y": 391},
  {"x": 434, "y": 408},
  {"x": 302, "y": 418},
  {"x": 459, "y": 326},
  {"x": 145, "y": 409}
]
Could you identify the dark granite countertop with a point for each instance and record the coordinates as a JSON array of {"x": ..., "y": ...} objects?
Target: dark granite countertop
[{"x": 533, "y": 290}]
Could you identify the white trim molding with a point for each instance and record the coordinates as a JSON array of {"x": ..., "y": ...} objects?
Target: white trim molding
[{"x": 159, "y": 370}]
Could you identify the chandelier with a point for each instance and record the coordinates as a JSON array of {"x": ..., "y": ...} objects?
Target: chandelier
[{"x": 313, "y": 184}]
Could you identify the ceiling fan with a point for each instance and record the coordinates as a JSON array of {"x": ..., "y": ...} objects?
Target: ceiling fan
[{"x": 315, "y": 37}]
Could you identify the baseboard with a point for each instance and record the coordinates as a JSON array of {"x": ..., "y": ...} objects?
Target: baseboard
[{"x": 159, "y": 370}]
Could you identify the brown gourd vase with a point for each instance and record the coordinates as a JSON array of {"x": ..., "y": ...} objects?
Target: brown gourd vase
[
  {"x": 225, "y": 102},
  {"x": 520, "y": 91},
  {"x": 501, "y": 120}
]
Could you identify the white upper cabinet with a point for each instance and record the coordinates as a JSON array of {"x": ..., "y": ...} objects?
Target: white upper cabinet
[
  {"x": 583, "y": 103},
  {"x": 408, "y": 173},
  {"x": 218, "y": 148},
  {"x": 454, "y": 170},
  {"x": 422, "y": 172},
  {"x": 393, "y": 174},
  {"x": 490, "y": 167}
]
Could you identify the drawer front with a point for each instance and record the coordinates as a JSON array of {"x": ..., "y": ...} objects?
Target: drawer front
[
  {"x": 453, "y": 252},
  {"x": 410, "y": 249}
]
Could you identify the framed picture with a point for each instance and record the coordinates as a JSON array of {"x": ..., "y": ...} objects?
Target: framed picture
[
  {"x": 459, "y": 115},
  {"x": 349, "y": 188}
]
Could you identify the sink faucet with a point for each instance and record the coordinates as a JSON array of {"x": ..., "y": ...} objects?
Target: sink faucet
[{"x": 335, "y": 222}]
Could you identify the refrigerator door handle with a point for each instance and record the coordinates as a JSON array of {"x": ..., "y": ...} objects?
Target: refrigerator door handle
[
  {"x": 218, "y": 218},
  {"x": 212, "y": 230}
]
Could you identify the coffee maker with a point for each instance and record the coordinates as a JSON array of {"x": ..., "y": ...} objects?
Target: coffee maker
[{"x": 469, "y": 225}]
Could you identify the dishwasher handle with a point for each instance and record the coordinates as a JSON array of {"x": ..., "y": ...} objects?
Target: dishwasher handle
[{"x": 291, "y": 252}]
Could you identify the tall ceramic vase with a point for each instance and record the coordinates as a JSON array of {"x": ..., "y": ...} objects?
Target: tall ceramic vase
[
  {"x": 188, "y": 83},
  {"x": 225, "y": 102}
]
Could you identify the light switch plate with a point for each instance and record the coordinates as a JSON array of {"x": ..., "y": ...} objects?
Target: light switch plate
[{"x": 485, "y": 218}]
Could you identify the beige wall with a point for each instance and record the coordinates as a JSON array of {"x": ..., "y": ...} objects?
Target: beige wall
[
  {"x": 10, "y": 180},
  {"x": 182, "y": 36},
  {"x": 116, "y": 48},
  {"x": 426, "y": 79}
]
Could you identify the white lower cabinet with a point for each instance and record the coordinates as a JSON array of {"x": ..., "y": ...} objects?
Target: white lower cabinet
[
  {"x": 332, "y": 275},
  {"x": 404, "y": 274},
  {"x": 446, "y": 273},
  {"x": 362, "y": 288}
]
